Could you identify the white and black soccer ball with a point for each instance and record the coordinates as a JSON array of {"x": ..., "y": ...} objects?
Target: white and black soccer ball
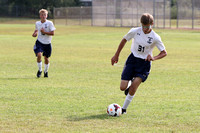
[{"x": 114, "y": 110}]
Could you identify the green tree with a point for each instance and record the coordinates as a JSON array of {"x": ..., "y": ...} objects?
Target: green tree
[
  {"x": 173, "y": 9},
  {"x": 31, "y": 7}
]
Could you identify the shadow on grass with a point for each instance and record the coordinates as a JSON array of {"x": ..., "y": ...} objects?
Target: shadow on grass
[
  {"x": 19, "y": 78},
  {"x": 99, "y": 116}
]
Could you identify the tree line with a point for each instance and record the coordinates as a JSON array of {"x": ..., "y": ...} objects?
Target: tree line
[{"x": 30, "y": 8}]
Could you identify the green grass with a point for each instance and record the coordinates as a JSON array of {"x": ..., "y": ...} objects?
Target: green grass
[{"x": 82, "y": 83}]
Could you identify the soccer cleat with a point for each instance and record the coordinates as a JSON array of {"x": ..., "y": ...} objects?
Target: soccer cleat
[
  {"x": 126, "y": 91},
  {"x": 46, "y": 74},
  {"x": 123, "y": 111},
  {"x": 39, "y": 74}
]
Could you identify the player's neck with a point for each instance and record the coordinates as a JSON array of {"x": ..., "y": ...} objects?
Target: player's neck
[
  {"x": 147, "y": 31},
  {"x": 42, "y": 21}
]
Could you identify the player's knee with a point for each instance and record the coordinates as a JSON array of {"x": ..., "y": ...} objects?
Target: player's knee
[
  {"x": 39, "y": 55},
  {"x": 123, "y": 87}
]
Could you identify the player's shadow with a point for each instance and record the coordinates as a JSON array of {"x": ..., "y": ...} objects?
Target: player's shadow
[
  {"x": 17, "y": 78},
  {"x": 99, "y": 116}
]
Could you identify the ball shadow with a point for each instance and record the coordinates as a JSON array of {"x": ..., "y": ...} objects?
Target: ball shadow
[{"x": 99, "y": 116}]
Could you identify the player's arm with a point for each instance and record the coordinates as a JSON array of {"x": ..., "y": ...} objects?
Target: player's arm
[
  {"x": 35, "y": 33},
  {"x": 159, "y": 56},
  {"x": 51, "y": 33},
  {"x": 115, "y": 58}
]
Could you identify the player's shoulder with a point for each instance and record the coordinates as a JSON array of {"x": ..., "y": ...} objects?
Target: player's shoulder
[
  {"x": 135, "y": 29},
  {"x": 49, "y": 21},
  {"x": 155, "y": 34}
]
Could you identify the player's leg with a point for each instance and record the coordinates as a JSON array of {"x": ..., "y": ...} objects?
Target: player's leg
[
  {"x": 39, "y": 57},
  {"x": 46, "y": 66},
  {"x": 39, "y": 63},
  {"x": 124, "y": 84},
  {"x": 143, "y": 69},
  {"x": 135, "y": 84},
  {"x": 132, "y": 90},
  {"x": 38, "y": 49},
  {"x": 46, "y": 60},
  {"x": 47, "y": 54},
  {"x": 127, "y": 89},
  {"x": 127, "y": 73}
]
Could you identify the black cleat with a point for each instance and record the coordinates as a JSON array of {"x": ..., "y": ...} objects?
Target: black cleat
[
  {"x": 126, "y": 91},
  {"x": 123, "y": 111},
  {"x": 46, "y": 74},
  {"x": 39, "y": 74}
]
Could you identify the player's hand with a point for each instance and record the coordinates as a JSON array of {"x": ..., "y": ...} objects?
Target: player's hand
[
  {"x": 114, "y": 59},
  {"x": 149, "y": 58},
  {"x": 34, "y": 34}
]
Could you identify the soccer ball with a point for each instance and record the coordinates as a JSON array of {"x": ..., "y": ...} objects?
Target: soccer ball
[{"x": 114, "y": 110}]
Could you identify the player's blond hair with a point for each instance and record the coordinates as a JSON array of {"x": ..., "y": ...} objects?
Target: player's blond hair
[
  {"x": 43, "y": 11},
  {"x": 146, "y": 18}
]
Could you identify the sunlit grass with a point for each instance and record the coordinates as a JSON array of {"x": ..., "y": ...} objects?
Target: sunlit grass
[{"x": 82, "y": 83}]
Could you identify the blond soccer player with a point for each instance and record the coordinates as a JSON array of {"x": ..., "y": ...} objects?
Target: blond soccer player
[{"x": 44, "y": 29}]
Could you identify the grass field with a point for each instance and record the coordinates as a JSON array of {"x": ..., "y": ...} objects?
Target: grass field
[{"x": 82, "y": 83}]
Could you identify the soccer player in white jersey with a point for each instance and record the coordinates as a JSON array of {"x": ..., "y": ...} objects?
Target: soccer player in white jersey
[
  {"x": 45, "y": 30},
  {"x": 138, "y": 64}
]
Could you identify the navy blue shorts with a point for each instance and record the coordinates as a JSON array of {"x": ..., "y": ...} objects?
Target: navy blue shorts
[
  {"x": 135, "y": 67},
  {"x": 43, "y": 48}
]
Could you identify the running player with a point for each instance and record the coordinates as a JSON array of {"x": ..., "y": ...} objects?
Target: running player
[{"x": 45, "y": 30}]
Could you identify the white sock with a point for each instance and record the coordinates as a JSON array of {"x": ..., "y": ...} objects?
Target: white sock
[
  {"x": 129, "y": 83},
  {"x": 127, "y": 101},
  {"x": 46, "y": 67},
  {"x": 40, "y": 66}
]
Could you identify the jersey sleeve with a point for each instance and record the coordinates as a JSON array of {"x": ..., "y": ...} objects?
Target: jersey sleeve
[
  {"x": 52, "y": 27},
  {"x": 159, "y": 44},
  {"x": 130, "y": 34}
]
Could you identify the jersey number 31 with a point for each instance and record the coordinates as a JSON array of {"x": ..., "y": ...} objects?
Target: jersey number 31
[{"x": 140, "y": 48}]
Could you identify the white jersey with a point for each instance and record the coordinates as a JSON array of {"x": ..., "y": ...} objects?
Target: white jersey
[
  {"x": 47, "y": 26},
  {"x": 143, "y": 44}
]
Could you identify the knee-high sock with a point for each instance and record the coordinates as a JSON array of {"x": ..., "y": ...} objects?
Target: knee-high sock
[
  {"x": 39, "y": 66},
  {"x": 46, "y": 67},
  {"x": 127, "y": 101}
]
